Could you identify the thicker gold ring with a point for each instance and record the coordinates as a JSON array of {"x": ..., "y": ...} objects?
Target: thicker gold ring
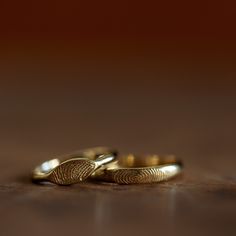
[
  {"x": 131, "y": 169},
  {"x": 74, "y": 167}
]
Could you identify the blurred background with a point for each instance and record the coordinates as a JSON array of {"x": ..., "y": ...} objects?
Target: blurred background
[{"x": 142, "y": 76}]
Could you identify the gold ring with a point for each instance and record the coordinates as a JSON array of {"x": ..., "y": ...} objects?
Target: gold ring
[
  {"x": 75, "y": 167},
  {"x": 131, "y": 169}
]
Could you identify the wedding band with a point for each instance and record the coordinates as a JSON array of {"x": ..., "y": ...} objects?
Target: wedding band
[
  {"x": 74, "y": 167},
  {"x": 131, "y": 169}
]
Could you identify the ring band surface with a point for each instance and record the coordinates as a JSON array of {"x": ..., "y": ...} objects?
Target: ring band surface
[
  {"x": 131, "y": 169},
  {"x": 74, "y": 167}
]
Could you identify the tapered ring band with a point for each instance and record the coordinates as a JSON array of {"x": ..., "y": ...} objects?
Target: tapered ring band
[
  {"x": 131, "y": 169},
  {"x": 75, "y": 167}
]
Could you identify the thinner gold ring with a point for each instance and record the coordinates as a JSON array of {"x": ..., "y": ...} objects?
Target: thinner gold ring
[
  {"x": 75, "y": 167},
  {"x": 131, "y": 169}
]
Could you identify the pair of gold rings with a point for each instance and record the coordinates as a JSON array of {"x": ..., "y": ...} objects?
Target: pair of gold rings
[{"x": 104, "y": 164}]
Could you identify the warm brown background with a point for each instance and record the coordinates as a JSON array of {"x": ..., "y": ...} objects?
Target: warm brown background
[{"x": 144, "y": 77}]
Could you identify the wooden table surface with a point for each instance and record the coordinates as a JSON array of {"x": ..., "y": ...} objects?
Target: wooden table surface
[{"x": 137, "y": 111}]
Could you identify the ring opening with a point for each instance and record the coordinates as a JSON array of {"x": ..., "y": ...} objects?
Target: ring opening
[
  {"x": 47, "y": 166},
  {"x": 131, "y": 160}
]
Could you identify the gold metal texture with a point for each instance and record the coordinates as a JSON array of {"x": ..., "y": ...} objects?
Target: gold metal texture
[
  {"x": 75, "y": 167},
  {"x": 132, "y": 169}
]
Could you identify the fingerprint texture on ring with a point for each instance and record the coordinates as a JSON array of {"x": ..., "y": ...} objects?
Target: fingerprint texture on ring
[
  {"x": 145, "y": 175},
  {"x": 72, "y": 171}
]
